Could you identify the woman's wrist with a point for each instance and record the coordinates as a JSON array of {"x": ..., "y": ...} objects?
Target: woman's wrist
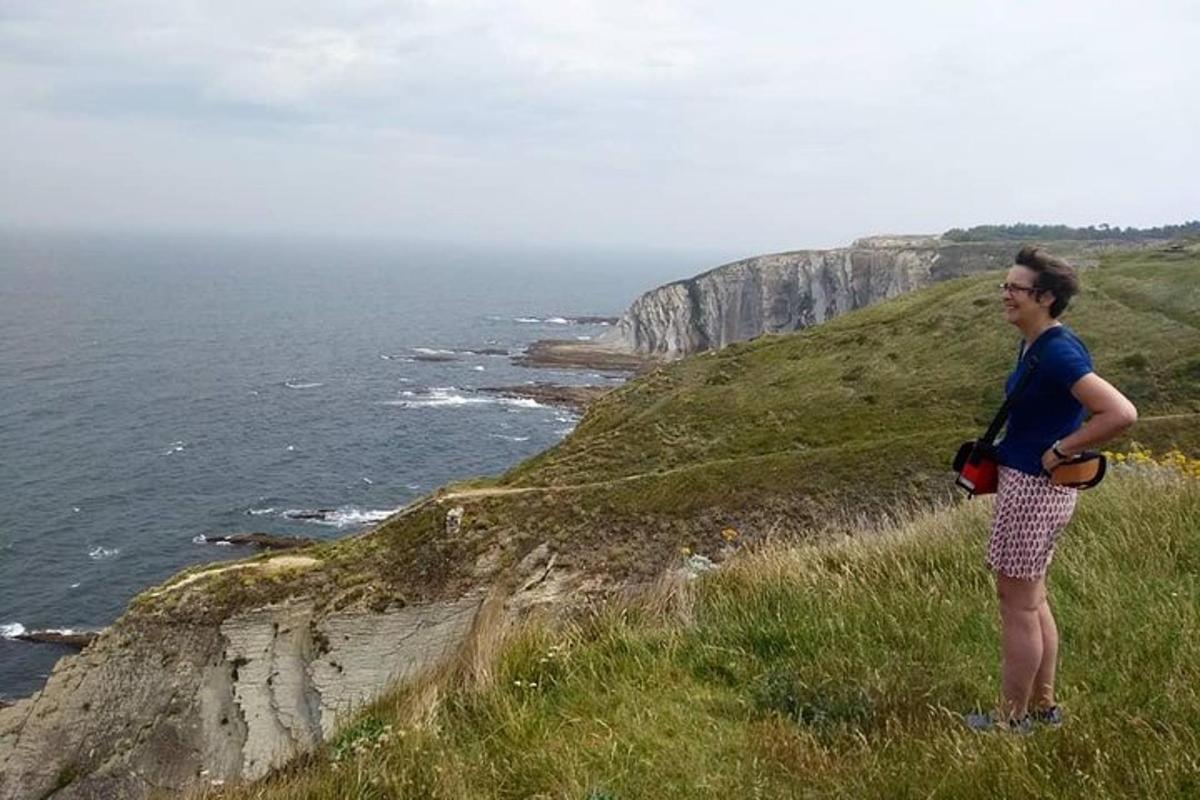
[{"x": 1060, "y": 452}]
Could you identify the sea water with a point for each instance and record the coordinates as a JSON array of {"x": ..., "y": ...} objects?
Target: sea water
[{"x": 155, "y": 390}]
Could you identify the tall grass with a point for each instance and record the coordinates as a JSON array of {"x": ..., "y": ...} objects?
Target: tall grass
[{"x": 831, "y": 669}]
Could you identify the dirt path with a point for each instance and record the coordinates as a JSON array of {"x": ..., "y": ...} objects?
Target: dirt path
[{"x": 269, "y": 566}]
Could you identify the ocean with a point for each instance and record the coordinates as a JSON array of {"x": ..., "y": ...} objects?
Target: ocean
[{"x": 157, "y": 389}]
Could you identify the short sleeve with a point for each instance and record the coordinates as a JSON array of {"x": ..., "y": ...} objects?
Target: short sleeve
[{"x": 1067, "y": 361}]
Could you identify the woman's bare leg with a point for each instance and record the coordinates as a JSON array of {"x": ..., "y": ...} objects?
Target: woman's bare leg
[
  {"x": 1021, "y": 643},
  {"x": 1043, "y": 682}
]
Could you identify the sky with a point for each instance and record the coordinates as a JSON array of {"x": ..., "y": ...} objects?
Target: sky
[{"x": 745, "y": 126}]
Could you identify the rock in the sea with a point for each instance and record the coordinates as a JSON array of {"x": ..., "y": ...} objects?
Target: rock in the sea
[
  {"x": 581, "y": 355},
  {"x": 319, "y": 513},
  {"x": 267, "y": 541},
  {"x": 552, "y": 394},
  {"x": 69, "y": 638}
]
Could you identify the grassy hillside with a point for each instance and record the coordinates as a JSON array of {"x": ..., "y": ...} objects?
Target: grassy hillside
[
  {"x": 831, "y": 669},
  {"x": 927, "y": 364},
  {"x": 783, "y": 435}
]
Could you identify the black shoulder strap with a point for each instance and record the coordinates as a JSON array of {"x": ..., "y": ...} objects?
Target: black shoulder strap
[{"x": 1031, "y": 362}]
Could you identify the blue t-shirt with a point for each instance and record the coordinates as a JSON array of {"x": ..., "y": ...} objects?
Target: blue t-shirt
[{"x": 1045, "y": 411}]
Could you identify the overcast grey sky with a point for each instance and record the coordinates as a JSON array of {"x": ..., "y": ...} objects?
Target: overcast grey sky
[{"x": 748, "y": 126}]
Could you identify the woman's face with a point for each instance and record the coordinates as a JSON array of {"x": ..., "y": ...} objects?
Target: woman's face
[{"x": 1021, "y": 304}]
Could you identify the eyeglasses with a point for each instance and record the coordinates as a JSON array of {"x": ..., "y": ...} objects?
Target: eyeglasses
[{"x": 1016, "y": 287}]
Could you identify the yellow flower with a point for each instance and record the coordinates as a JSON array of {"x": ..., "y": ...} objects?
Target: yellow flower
[{"x": 729, "y": 534}]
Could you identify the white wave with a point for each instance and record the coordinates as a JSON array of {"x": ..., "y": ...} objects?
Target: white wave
[
  {"x": 478, "y": 368},
  {"x": 385, "y": 356},
  {"x": 368, "y": 481},
  {"x": 11, "y": 630},
  {"x": 509, "y": 438},
  {"x": 564, "y": 431},
  {"x": 176, "y": 447},
  {"x": 450, "y": 397},
  {"x": 345, "y": 516},
  {"x": 584, "y": 338},
  {"x": 297, "y": 385},
  {"x": 199, "y": 539},
  {"x": 290, "y": 448},
  {"x": 100, "y": 553},
  {"x": 528, "y": 320},
  {"x": 261, "y": 512},
  {"x": 75, "y": 509},
  {"x": 557, "y": 321},
  {"x": 432, "y": 351},
  {"x": 74, "y": 586}
]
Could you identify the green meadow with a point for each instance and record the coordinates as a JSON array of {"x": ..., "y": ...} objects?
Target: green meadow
[
  {"x": 851, "y": 621},
  {"x": 834, "y": 668}
]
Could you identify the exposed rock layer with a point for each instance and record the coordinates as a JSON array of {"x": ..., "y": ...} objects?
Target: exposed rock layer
[
  {"x": 789, "y": 291},
  {"x": 164, "y": 705}
]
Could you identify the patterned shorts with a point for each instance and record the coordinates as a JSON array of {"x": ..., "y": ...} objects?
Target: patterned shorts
[{"x": 1030, "y": 511}]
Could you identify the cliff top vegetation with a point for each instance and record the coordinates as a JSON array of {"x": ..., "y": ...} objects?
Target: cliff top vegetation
[
  {"x": 780, "y": 436},
  {"x": 1024, "y": 232},
  {"x": 835, "y": 668}
]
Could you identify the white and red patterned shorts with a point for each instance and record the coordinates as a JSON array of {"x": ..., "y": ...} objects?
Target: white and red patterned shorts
[{"x": 1030, "y": 511}]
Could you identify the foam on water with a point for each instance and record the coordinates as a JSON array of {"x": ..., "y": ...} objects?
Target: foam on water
[
  {"x": 200, "y": 539},
  {"x": 11, "y": 630},
  {"x": 302, "y": 385},
  {"x": 344, "y": 517},
  {"x": 451, "y": 397},
  {"x": 99, "y": 553}
]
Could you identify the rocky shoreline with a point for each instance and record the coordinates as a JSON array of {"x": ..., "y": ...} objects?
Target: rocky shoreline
[
  {"x": 571, "y": 354},
  {"x": 69, "y": 638},
  {"x": 265, "y": 541},
  {"x": 576, "y": 398}
]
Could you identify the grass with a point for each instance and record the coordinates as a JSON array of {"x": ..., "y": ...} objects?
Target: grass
[
  {"x": 780, "y": 433},
  {"x": 925, "y": 363},
  {"x": 833, "y": 668}
]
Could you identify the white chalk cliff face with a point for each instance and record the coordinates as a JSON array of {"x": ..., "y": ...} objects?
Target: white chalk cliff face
[{"x": 789, "y": 291}]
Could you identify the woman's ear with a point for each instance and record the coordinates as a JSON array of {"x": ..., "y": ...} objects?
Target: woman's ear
[{"x": 1046, "y": 298}]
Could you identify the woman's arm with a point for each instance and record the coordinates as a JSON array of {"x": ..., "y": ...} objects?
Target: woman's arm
[{"x": 1111, "y": 413}]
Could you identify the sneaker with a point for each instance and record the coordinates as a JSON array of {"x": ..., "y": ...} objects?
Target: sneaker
[
  {"x": 992, "y": 722},
  {"x": 1052, "y": 716}
]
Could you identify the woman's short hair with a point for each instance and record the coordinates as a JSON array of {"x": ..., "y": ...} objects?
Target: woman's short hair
[{"x": 1053, "y": 275}]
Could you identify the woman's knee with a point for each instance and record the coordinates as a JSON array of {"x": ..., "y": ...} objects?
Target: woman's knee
[{"x": 1017, "y": 595}]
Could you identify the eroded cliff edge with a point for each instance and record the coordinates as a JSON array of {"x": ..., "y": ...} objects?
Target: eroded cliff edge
[
  {"x": 230, "y": 670},
  {"x": 788, "y": 291}
]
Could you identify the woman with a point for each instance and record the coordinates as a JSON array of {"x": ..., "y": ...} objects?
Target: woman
[{"x": 1043, "y": 431}]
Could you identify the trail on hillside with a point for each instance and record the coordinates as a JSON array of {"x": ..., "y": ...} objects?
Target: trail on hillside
[{"x": 496, "y": 491}]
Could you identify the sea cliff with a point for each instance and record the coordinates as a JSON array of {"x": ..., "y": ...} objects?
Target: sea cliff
[{"x": 788, "y": 291}]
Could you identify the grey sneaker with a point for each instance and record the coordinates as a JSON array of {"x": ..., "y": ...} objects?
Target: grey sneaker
[
  {"x": 1052, "y": 716},
  {"x": 990, "y": 721}
]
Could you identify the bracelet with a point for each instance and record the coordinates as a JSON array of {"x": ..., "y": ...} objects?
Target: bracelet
[{"x": 1059, "y": 453}]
